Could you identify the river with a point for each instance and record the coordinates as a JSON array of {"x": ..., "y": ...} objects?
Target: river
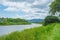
[{"x": 11, "y": 28}]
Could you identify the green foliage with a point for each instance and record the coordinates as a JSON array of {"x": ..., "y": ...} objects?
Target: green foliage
[
  {"x": 55, "y": 6},
  {"x": 49, "y": 32},
  {"x": 50, "y": 19},
  {"x": 12, "y": 21}
]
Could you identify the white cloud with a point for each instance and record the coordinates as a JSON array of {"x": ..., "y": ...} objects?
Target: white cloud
[
  {"x": 40, "y": 2},
  {"x": 23, "y": 5},
  {"x": 26, "y": 7},
  {"x": 34, "y": 16}
]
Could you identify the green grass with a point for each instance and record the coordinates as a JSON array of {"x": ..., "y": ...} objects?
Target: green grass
[{"x": 49, "y": 32}]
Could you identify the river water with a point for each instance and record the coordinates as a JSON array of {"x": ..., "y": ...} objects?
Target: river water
[{"x": 11, "y": 28}]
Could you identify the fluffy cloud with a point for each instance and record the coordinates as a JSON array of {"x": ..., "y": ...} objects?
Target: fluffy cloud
[{"x": 32, "y": 8}]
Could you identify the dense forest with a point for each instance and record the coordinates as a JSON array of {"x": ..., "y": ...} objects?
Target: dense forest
[{"x": 12, "y": 21}]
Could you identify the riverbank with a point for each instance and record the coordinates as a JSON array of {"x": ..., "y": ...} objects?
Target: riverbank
[{"x": 49, "y": 32}]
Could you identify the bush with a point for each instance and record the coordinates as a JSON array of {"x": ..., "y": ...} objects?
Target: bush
[{"x": 50, "y": 19}]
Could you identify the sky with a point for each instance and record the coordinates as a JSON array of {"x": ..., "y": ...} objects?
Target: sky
[{"x": 25, "y": 9}]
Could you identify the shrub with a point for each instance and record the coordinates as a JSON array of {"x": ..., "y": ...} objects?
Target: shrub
[{"x": 50, "y": 19}]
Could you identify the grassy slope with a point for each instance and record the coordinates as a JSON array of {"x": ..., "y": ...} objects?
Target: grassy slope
[{"x": 49, "y": 32}]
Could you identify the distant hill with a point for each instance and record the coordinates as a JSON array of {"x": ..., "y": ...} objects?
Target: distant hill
[{"x": 36, "y": 20}]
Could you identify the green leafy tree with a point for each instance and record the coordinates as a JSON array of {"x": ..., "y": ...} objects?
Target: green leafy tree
[
  {"x": 55, "y": 6},
  {"x": 51, "y": 19}
]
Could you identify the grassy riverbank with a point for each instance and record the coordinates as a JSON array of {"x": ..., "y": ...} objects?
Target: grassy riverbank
[
  {"x": 49, "y": 32},
  {"x": 13, "y": 21}
]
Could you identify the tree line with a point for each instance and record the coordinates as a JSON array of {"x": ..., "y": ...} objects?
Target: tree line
[{"x": 12, "y": 21}]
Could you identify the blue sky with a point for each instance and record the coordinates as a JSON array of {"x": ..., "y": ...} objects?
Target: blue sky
[{"x": 25, "y": 9}]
